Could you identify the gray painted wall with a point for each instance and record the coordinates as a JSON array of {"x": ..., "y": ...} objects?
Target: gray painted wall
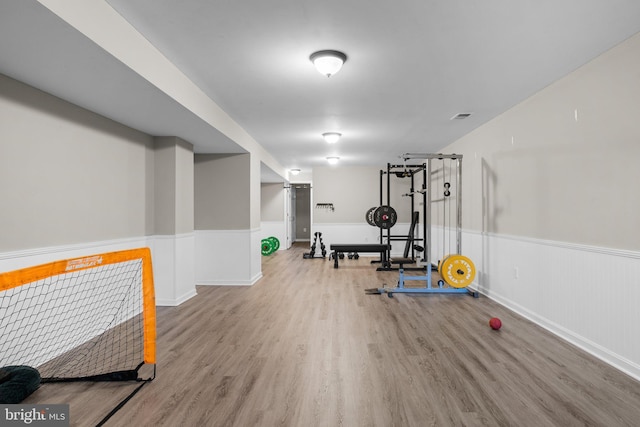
[
  {"x": 174, "y": 195},
  {"x": 563, "y": 165},
  {"x": 272, "y": 202},
  {"x": 68, "y": 175},
  {"x": 355, "y": 190},
  {"x": 222, "y": 192},
  {"x": 536, "y": 170}
]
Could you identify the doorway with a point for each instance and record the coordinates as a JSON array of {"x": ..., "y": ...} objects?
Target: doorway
[{"x": 301, "y": 212}]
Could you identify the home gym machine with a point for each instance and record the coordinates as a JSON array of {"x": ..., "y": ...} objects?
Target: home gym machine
[
  {"x": 442, "y": 205},
  {"x": 384, "y": 216}
]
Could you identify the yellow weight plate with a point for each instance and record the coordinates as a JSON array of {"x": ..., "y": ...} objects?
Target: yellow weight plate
[
  {"x": 458, "y": 271},
  {"x": 441, "y": 262}
]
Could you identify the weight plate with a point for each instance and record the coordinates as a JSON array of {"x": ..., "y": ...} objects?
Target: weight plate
[
  {"x": 369, "y": 216},
  {"x": 275, "y": 242},
  {"x": 267, "y": 247},
  {"x": 458, "y": 271},
  {"x": 440, "y": 263},
  {"x": 385, "y": 217}
]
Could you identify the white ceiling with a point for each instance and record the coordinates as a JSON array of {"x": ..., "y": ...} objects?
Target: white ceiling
[{"x": 412, "y": 65}]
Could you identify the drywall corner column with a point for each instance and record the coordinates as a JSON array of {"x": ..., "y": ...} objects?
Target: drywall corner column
[
  {"x": 227, "y": 242},
  {"x": 174, "y": 241},
  {"x": 255, "y": 184}
]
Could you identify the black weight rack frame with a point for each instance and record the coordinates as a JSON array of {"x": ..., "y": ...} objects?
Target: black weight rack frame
[{"x": 403, "y": 171}]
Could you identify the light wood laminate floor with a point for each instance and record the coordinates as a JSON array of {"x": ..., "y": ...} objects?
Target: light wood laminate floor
[{"x": 306, "y": 347}]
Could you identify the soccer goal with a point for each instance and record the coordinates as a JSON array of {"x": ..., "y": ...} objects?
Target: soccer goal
[{"x": 82, "y": 319}]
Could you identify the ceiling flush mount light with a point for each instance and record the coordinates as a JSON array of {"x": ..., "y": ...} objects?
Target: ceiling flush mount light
[
  {"x": 333, "y": 160},
  {"x": 295, "y": 171},
  {"x": 328, "y": 62},
  {"x": 331, "y": 137},
  {"x": 460, "y": 116}
]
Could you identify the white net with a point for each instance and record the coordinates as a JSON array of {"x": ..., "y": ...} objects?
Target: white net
[{"x": 85, "y": 323}]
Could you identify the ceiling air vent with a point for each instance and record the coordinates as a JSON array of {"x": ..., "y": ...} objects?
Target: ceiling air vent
[{"x": 460, "y": 116}]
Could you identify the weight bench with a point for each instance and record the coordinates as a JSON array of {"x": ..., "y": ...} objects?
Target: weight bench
[
  {"x": 409, "y": 246},
  {"x": 382, "y": 249}
]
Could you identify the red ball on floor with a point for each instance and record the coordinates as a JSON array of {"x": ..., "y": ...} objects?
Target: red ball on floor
[{"x": 495, "y": 323}]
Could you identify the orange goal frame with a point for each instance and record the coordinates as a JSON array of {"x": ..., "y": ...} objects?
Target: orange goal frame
[{"x": 13, "y": 279}]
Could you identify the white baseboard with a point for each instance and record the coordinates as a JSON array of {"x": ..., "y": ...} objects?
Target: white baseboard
[
  {"x": 230, "y": 283},
  {"x": 173, "y": 302}
]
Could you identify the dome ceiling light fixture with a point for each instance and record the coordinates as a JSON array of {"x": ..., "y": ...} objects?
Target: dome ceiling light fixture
[
  {"x": 331, "y": 137},
  {"x": 328, "y": 62},
  {"x": 295, "y": 171},
  {"x": 333, "y": 160}
]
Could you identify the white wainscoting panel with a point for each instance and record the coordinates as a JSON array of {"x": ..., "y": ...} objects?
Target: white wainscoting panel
[
  {"x": 15, "y": 260},
  {"x": 256, "y": 255},
  {"x": 172, "y": 259},
  {"x": 173, "y": 268},
  {"x": 228, "y": 257},
  {"x": 587, "y": 295}
]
